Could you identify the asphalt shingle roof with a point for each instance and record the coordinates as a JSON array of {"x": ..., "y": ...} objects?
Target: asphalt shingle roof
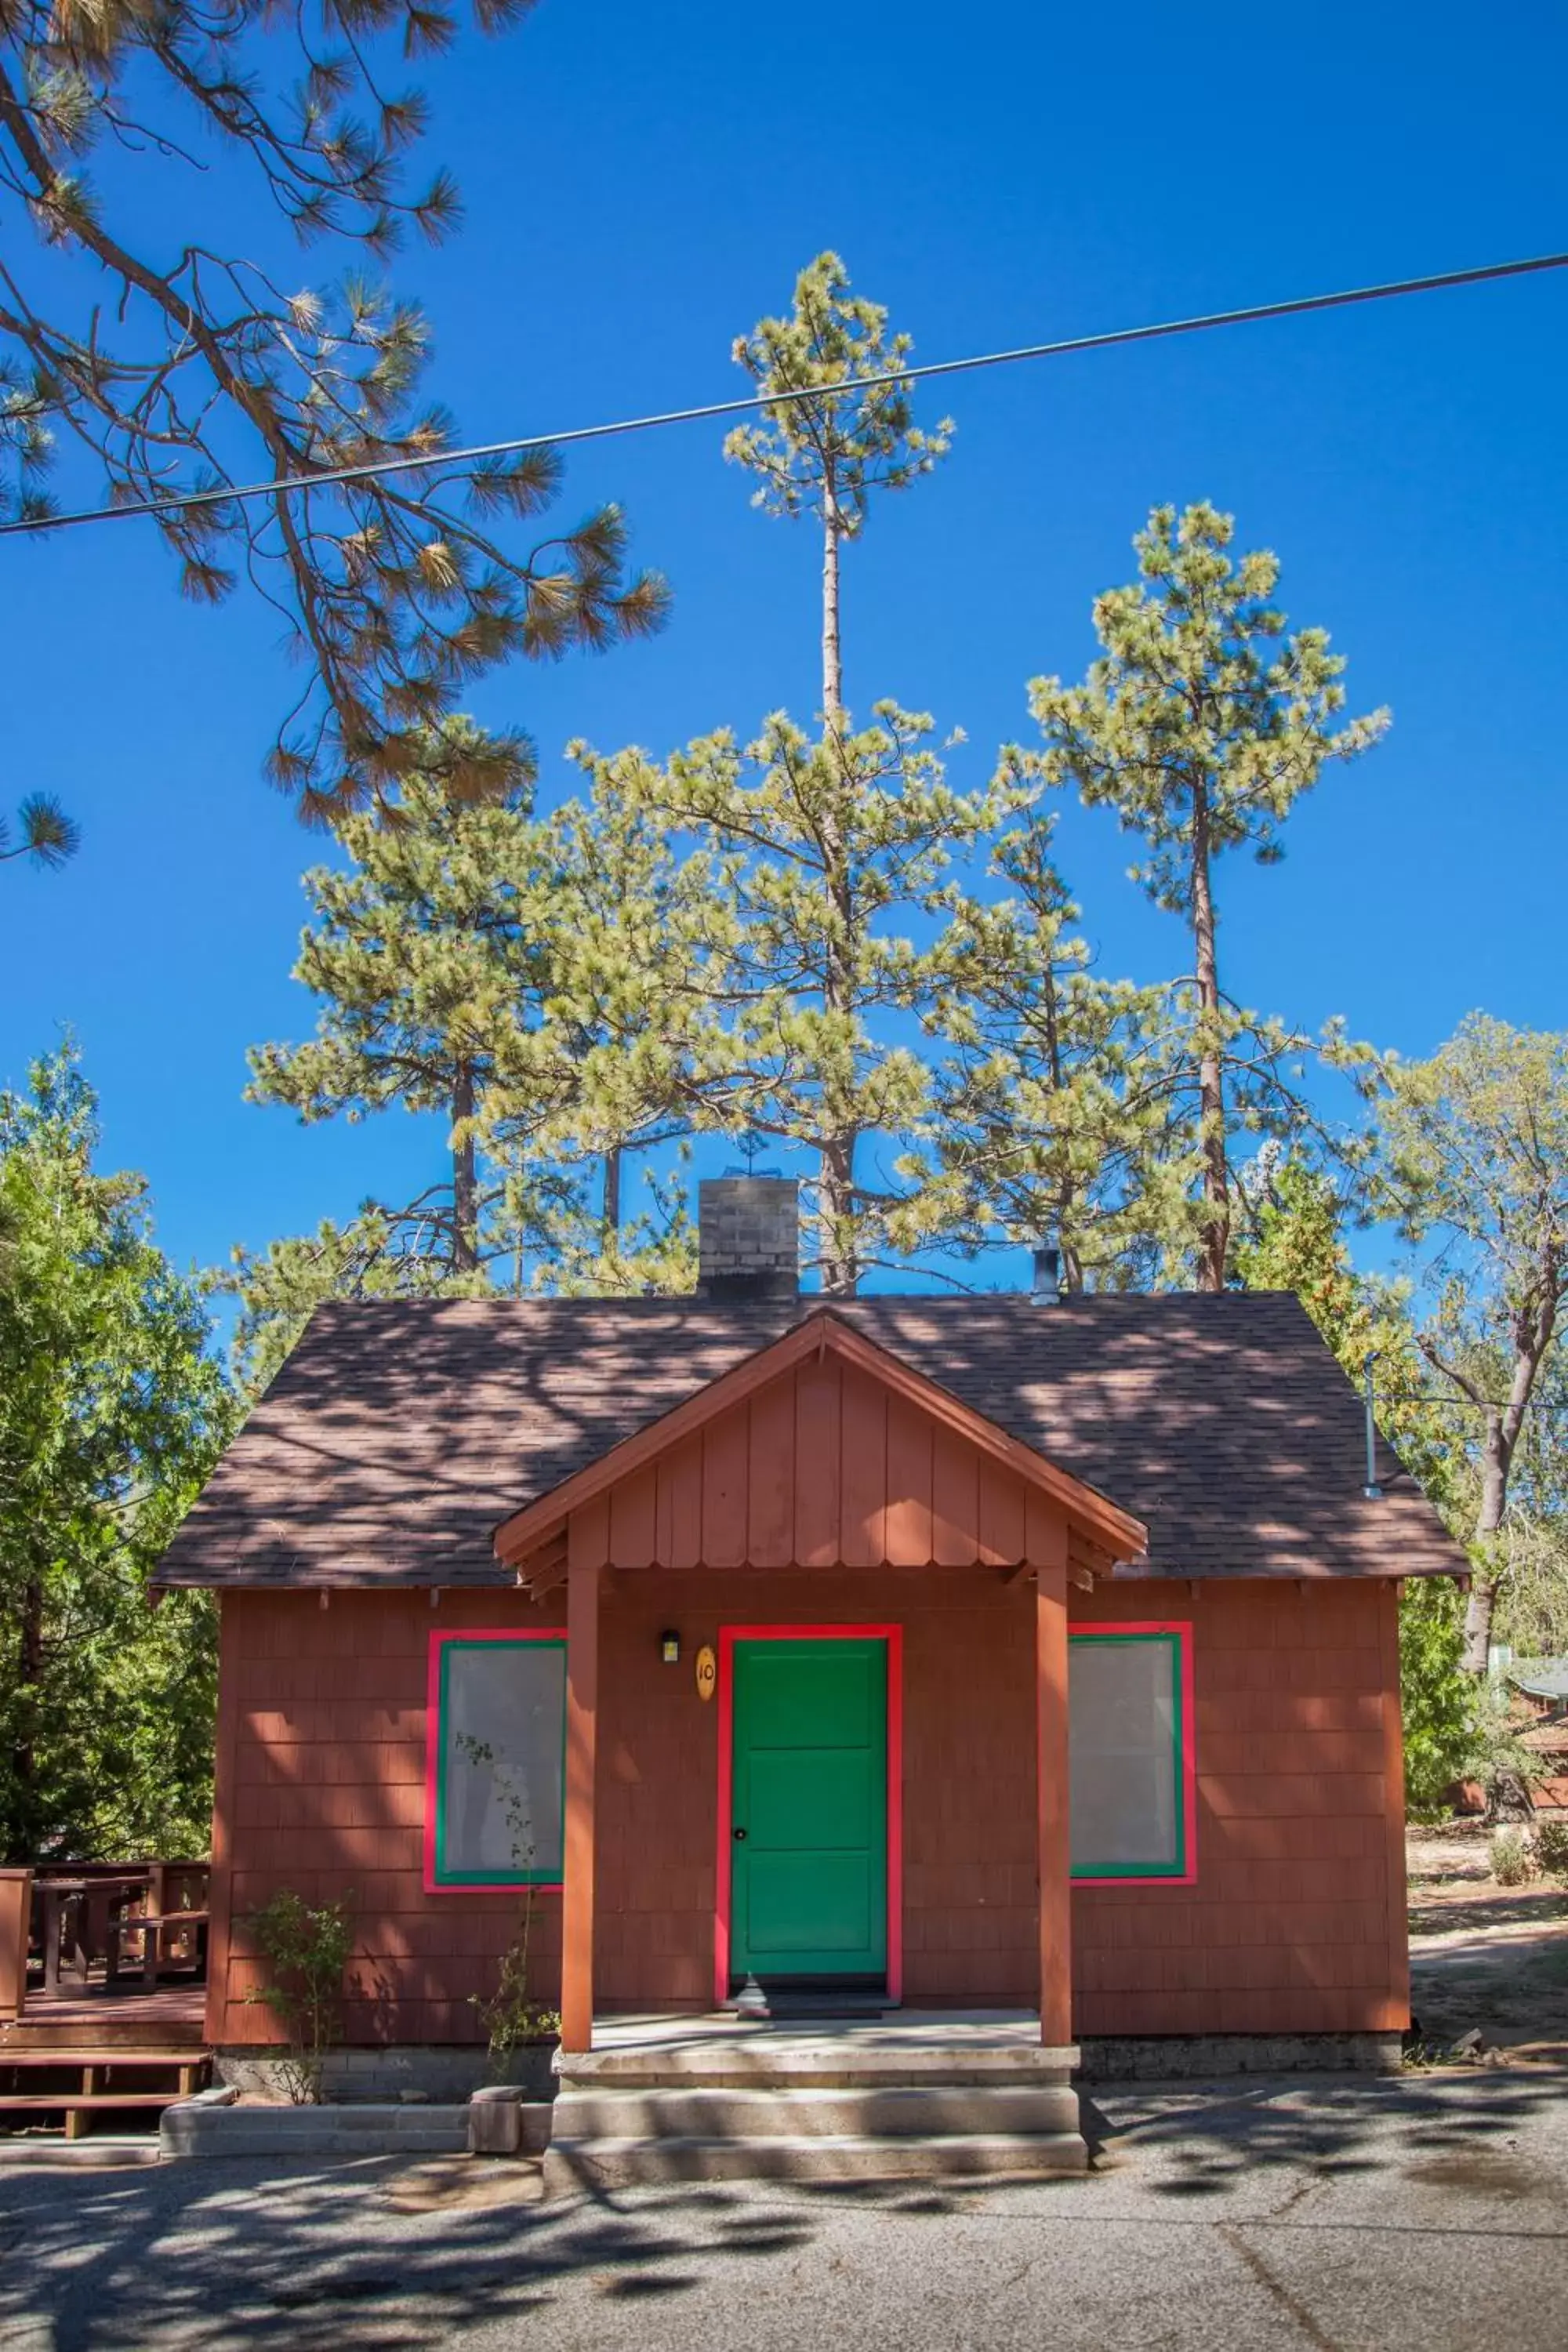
[{"x": 400, "y": 1434}]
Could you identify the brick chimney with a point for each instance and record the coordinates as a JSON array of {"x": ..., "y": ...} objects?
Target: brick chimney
[{"x": 748, "y": 1237}]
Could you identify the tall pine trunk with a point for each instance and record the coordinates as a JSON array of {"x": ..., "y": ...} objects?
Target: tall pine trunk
[
  {"x": 840, "y": 1260},
  {"x": 1213, "y": 1232},
  {"x": 610, "y": 1208},
  {"x": 832, "y": 649},
  {"x": 465, "y": 1175},
  {"x": 1070, "y": 1266}
]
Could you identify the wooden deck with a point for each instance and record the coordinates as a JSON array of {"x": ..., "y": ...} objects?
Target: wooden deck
[{"x": 171, "y": 2018}]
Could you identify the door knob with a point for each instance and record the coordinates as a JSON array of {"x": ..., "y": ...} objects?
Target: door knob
[{"x": 740, "y": 1836}]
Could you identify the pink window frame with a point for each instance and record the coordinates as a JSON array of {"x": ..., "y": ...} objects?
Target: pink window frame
[
  {"x": 893, "y": 1635},
  {"x": 1181, "y": 1627},
  {"x": 434, "y": 1886}
]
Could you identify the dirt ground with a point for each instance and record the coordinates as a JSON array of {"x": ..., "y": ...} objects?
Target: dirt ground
[{"x": 1483, "y": 1955}]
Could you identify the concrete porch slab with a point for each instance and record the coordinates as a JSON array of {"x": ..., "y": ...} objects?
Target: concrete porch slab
[{"x": 953, "y": 2046}]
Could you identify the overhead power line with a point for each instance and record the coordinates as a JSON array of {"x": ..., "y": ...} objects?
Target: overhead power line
[{"x": 182, "y": 501}]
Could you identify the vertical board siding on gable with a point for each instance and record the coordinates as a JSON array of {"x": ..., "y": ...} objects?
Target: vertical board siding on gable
[
  {"x": 823, "y": 1468},
  {"x": 818, "y": 1450},
  {"x": 907, "y": 1525},
  {"x": 771, "y": 1477}
]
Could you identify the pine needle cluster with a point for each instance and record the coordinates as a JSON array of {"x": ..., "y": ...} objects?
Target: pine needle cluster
[{"x": 199, "y": 372}]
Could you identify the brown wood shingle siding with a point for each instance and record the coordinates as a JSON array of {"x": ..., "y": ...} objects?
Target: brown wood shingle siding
[{"x": 1295, "y": 1922}]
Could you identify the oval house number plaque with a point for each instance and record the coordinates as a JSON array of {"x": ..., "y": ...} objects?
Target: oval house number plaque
[{"x": 707, "y": 1672}]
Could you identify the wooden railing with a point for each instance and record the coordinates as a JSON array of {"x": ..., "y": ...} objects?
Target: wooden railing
[{"x": 103, "y": 1925}]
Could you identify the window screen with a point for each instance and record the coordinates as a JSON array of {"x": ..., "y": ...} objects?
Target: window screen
[
  {"x": 1127, "y": 1739},
  {"x": 500, "y": 1762}
]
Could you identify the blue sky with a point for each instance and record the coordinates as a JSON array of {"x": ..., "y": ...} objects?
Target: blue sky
[{"x": 642, "y": 184}]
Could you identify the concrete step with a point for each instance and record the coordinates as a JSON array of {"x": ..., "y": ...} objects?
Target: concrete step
[
  {"x": 765, "y": 2060},
  {"x": 875, "y": 2111},
  {"x": 607, "y": 2163}
]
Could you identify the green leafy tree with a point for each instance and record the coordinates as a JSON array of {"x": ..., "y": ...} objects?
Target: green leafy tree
[
  {"x": 176, "y": 355},
  {"x": 1294, "y": 1240},
  {"x": 1444, "y": 1733},
  {"x": 46, "y": 834},
  {"x": 1200, "y": 725},
  {"x": 112, "y": 1411},
  {"x": 1474, "y": 1154}
]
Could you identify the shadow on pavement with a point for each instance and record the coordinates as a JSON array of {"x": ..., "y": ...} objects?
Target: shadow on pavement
[
  {"x": 383, "y": 2257},
  {"x": 200, "y": 2256},
  {"x": 1331, "y": 2127}
]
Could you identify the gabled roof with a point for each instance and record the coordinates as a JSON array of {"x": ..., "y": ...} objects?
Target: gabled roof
[
  {"x": 1113, "y": 1530},
  {"x": 400, "y": 1434}
]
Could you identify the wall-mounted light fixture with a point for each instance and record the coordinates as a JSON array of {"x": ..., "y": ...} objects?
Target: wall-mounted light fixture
[{"x": 669, "y": 1648}]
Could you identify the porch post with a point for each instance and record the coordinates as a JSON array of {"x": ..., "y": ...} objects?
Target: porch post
[
  {"x": 15, "y": 1908},
  {"x": 1051, "y": 1828},
  {"x": 587, "y": 1533}
]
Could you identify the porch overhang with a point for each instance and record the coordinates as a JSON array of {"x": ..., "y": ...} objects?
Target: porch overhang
[{"x": 535, "y": 1542}]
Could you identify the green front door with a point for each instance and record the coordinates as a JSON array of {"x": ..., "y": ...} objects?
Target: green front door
[{"x": 809, "y": 1809}]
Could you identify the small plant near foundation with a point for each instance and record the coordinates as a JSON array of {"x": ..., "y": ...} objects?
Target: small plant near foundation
[
  {"x": 510, "y": 2015},
  {"x": 1513, "y": 1859},
  {"x": 305, "y": 1948},
  {"x": 1552, "y": 1848}
]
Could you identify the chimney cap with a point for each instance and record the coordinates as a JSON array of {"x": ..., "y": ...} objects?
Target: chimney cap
[{"x": 1048, "y": 1273}]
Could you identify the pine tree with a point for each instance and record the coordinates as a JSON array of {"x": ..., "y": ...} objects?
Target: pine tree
[
  {"x": 1200, "y": 726},
  {"x": 823, "y": 453},
  {"x": 182, "y": 362},
  {"x": 519, "y": 977},
  {"x": 1039, "y": 1128},
  {"x": 47, "y": 835},
  {"x": 821, "y": 855},
  {"x": 422, "y": 955},
  {"x": 821, "y": 849}
]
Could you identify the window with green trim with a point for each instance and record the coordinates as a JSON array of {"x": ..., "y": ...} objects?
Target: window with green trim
[
  {"x": 497, "y": 1760},
  {"x": 1129, "y": 1740}
]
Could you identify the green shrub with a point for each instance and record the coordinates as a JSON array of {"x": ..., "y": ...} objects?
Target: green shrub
[
  {"x": 307, "y": 1951},
  {"x": 1438, "y": 1700},
  {"x": 1552, "y": 1848},
  {"x": 1512, "y": 1857}
]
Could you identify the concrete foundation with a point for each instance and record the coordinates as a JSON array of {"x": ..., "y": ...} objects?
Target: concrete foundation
[
  {"x": 1172, "y": 2057},
  {"x": 331, "y": 2134},
  {"x": 358, "y": 2077}
]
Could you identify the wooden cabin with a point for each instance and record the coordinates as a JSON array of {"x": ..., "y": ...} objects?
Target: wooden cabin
[{"x": 993, "y": 1653}]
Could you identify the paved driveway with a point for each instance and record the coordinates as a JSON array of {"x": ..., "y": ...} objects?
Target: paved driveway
[{"x": 1346, "y": 2215}]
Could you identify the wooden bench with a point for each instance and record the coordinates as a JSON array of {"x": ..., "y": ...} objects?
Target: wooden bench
[{"x": 76, "y": 2104}]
